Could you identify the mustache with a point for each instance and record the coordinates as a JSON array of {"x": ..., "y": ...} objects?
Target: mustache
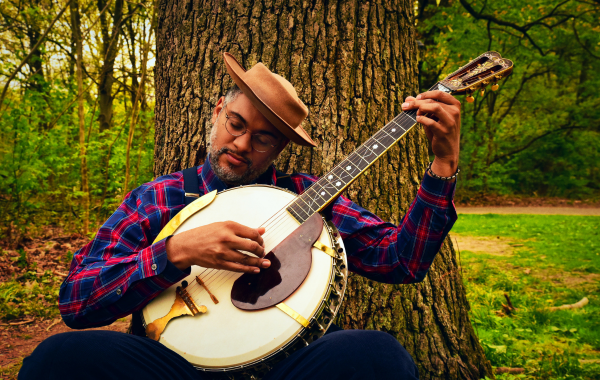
[{"x": 224, "y": 150}]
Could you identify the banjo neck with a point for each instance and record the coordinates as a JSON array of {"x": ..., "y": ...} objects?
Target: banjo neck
[{"x": 332, "y": 184}]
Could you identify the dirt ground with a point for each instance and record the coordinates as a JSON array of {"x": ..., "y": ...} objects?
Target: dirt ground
[
  {"x": 544, "y": 210},
  {"x": 19, "y": 341},
  {"x": 47, "y": 252},
  {"x": 478, "y": 200},
  {"x": 477, "y": 244}
]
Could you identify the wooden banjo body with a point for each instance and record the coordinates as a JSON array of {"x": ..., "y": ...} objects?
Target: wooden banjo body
[{"x": 227, "y": 339}]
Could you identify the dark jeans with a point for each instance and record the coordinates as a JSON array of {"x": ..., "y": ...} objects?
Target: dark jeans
[{"x": 342, "y": 354}]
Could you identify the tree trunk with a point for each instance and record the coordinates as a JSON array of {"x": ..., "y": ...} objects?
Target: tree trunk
[
  {"x": 352, "y": 63},
  {"x": 109, "y": 50},
  {"x": 76, "y": 25}
]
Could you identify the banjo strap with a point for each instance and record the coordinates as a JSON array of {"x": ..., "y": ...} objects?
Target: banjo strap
[
  {"x": 191, "y": 187},
  {"x": 190, "y": 184}
]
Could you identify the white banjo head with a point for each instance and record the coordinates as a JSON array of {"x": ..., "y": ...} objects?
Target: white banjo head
[{"x": 226, "y": 337}]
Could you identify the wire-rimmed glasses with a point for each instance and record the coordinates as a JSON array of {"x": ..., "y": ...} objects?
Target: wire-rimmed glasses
[{"x": 261, "y": 142}]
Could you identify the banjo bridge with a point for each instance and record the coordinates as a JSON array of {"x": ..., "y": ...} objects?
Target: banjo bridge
[
  {"x": 201, "y": 283},
  {"x": 183, "y": 305}
]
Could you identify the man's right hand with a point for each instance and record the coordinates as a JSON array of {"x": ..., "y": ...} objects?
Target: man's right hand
[{"x": 217, "y": 245}]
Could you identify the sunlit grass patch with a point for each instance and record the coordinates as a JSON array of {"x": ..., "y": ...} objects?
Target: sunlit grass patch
[{"x": 552, "y": 262}]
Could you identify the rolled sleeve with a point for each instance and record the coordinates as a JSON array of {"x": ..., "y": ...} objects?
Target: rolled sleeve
[
  {"x": 387, "y": 253},
  {"x": 121, "y": 270}
]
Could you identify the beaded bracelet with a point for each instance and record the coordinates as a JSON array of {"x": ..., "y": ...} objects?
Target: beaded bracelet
[{"x": 431, "y": 173}]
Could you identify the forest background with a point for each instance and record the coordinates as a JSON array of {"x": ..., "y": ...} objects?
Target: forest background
[{"x": 77, "y": 99}]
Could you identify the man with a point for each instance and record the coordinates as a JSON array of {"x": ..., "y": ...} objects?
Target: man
[{"x": 120, "y": 270}]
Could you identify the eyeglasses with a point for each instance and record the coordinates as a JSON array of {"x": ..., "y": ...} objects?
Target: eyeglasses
[{"x": 260, "y": 142}]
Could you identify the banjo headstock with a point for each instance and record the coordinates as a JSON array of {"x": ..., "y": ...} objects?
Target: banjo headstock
[{"x": 486, "y": 69}]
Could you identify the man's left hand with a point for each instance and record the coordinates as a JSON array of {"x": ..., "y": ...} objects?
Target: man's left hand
[{"x": 439, "y": 113}]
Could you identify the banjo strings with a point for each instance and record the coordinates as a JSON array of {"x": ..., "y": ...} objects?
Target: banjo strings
[{"x": 272, "y": 234}]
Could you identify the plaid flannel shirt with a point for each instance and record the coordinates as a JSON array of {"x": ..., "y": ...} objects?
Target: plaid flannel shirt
[{"x": 120, "y": 270}]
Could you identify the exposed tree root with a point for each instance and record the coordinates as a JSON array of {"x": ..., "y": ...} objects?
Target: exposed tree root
[
  {"x": 514, "y": 371},
  {"x": 584, "y": 301}
]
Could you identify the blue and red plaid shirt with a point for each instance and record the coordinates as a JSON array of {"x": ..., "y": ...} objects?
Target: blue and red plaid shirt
[{"x": 120, "y": 270}]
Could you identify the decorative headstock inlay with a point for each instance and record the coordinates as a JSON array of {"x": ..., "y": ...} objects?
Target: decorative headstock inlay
[{"x": 485, "y": 69}]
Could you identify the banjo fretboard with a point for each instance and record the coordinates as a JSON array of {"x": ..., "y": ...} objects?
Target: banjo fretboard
[{"x": 328, "y": 187}]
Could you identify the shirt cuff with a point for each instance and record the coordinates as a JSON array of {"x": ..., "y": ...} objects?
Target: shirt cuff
[
  {"x": 437, "y": 193},
  {"x": 153, "y": 261}
]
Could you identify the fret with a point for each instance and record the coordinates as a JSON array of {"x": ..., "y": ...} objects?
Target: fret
[
  {"x": 328, "y": 184},
  {"x": 309, "y": 202},
  {"x": 365, "y": 155},
  {"x": 406, "y": 119},
  {"x": 315, "y": 196},
  {"x": 323, "y": 188},
  {"x": 297, "y": 212},
  {"x": 341, "y": 175},
  {"x": 312, "y": 197},
  {"x": 371, "y": 150},
  {"x": 384, "y": 131},
  {"x": 349, "y": 170},
  {"x": 384, "y": 140},
  {"x": 319, "y": 193},
  {"x": 357, "y": 161},
  {"x": 394, "y": 130}
]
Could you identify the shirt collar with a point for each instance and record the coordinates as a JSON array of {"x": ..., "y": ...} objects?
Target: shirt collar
[{"x": 211, "y": 182}]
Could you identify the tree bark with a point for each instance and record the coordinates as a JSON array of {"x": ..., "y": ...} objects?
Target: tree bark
[{"x": 352, "y": 63}]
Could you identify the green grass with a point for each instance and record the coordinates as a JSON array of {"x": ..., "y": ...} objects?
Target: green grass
[{"x": 555, "y": 261}]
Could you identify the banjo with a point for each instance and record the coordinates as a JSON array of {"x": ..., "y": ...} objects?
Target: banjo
[{"x": 237, "y": 325}]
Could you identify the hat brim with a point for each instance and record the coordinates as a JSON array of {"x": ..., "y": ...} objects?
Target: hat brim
[{"x": 297, "y": 135}]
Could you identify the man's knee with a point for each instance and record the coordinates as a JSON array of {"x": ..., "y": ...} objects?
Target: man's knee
[
  {"x": 50, "y": 353},
  {"x": 349, "y": 354},
  {"x": 102, "y": 355},
  {"x": 375, "y": 351}
]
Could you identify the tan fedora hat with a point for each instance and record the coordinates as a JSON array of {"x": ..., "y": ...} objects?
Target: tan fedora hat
[{"x": 274, "y": 97}]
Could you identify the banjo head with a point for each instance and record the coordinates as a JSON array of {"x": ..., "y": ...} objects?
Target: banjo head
[{"x": 227, "y": 339}]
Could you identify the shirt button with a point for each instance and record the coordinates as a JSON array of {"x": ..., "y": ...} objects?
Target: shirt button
[
  {"x": 153, "y": 267},
  {"x": 119, "y": 292}
]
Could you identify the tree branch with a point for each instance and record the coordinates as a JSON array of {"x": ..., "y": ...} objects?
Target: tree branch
[
  {"x": 507, "y": 155},
  {"x": 521, "y": 28},
  {"x": 67, "y": 52},
  {"x": 37, "y": 45},
  {"x": 580, "y": 43}
]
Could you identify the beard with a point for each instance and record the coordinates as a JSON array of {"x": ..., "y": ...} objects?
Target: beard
[{"x": 226, "y": 172}]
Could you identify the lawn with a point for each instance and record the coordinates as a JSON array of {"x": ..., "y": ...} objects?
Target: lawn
[{"x": 539, "y": 261}]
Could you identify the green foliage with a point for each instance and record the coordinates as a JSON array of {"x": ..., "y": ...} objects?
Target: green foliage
[
  {"x": 548, "y": 267},
  {"x": 40, "y": 166},
  {"x": 40, "y": 161},
  {"x": 29, "y": 299},
  {"x": 539, "y": 134}
]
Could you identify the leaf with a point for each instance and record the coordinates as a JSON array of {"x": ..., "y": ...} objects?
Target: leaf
[
  {"x": 499, "y": 349},
  {"x": 554, "y": 328}
]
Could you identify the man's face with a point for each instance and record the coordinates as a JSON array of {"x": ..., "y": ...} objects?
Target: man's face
[{"x": 232, "y": 158}]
